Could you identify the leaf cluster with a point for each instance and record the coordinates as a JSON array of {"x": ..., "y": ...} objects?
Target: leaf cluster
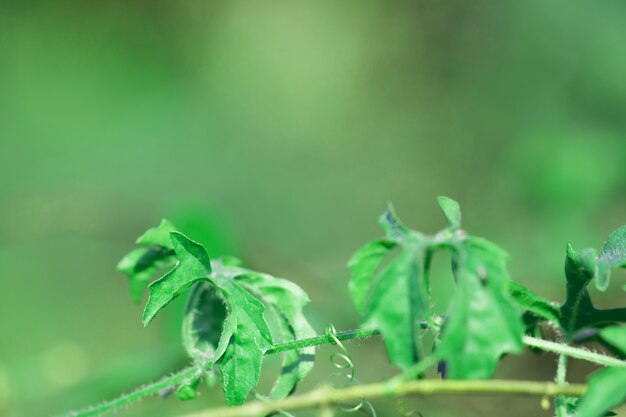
[
  {"x": 224, "y": 324},
  {"x": 482, "y": 323}
]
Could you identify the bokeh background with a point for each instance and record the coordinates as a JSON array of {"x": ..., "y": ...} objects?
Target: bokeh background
[{"x": 277, "y": 132}]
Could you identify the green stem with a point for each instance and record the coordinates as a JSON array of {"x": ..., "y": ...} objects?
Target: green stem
[
  {"x": 561, "y": 370},
  {"x": 179, "y": 377},
  {"x": 573, "y": 352},
  {"x": 322, "y": 340},
  {"x": 136, "y": 395},
  {"x": 328, "y": 396},
  {"x": 561, "y": 379}
]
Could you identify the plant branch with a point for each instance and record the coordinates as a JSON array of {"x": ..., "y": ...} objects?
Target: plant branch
[
  {"x": 329, "y": 396},
  {"x": 179, "y": 377}
]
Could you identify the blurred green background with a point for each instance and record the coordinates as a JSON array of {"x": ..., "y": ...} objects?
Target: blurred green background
[{"x": 277, "y": 132}]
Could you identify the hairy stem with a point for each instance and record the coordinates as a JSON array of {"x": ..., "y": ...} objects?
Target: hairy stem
[
  {"x": 328, "y": 396},
  {"x": 573, "y": 352},
  {"x": 561, "y": 379},
  {"x": 136, "y": 395}
]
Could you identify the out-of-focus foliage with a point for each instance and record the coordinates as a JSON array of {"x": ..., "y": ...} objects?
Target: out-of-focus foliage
[{"x": 275, "y": 130}]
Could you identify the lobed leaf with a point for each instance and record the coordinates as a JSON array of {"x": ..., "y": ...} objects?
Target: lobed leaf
[
  {"x": 287, "y": 300},
  {"x": 249, "y": 339},
  {"x": 483, "y": 323},
  {"x": 193, "y": 265}
]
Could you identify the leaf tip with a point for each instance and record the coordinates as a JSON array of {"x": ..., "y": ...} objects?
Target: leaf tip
[
  {"x": 391, "y": 224},
  {"x": 451, "y": 210},
  {"x": 157, "y": 236}
]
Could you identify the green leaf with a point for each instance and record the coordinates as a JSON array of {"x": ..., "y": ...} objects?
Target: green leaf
[
  {"x": 397, "y": 303},
  {"x": 606, "y": 390},
  {"x": 249, "y": 339},
  {"x": 158, "y": 236},
  {"x": 391, "y": 299},
  {"x": 578, "y": 311},
  {"x": 483, "y": 323},
  {"x": 534, "y": 303},
  {"x": 287, "y": 300},
  {"x": 193, "y": 265},
  {"x": 580, "y": 268},
  {"x": 451, "y": 210},
  {"x": 612, "y": 255},
  {"x": 391, "y": 224},
  {"x": 615, "y": 336},
  {"x": 363, "y": 265},
  {"x": 141, "y": 265},
  {"x": 245, "y": 336},
  {"x": 203, "y": 320}
]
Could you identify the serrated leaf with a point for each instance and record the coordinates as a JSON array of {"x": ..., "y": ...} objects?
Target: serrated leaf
[
  {"x": 193, "y": 265},
  {"x": 606, "y": 390},
  {"x": 141, "y": 265},
  {"x": 159, "y": 235},
  {"x": 451, "y": 210},
  {"x": 533, "y": 302},
  {"x": 612, "y": 255},
  {"x": 397, "y": 303},
  {"x": 363, "y": 265},
  {"x": 483, "y": 323},
  {"x": 205, "y": 313},
  {"x": 288, "y": 301}
]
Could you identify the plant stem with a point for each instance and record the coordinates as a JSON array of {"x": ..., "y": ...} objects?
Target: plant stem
[
  {"x": 322, "y": 340},
  {"x": 136, "y": 395},
  {"x": 561, "y": 379},
  {"x": 328, "y": 396},
  {"x": 573, "y": 352},
  {"x": 179, "y": 377}
]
